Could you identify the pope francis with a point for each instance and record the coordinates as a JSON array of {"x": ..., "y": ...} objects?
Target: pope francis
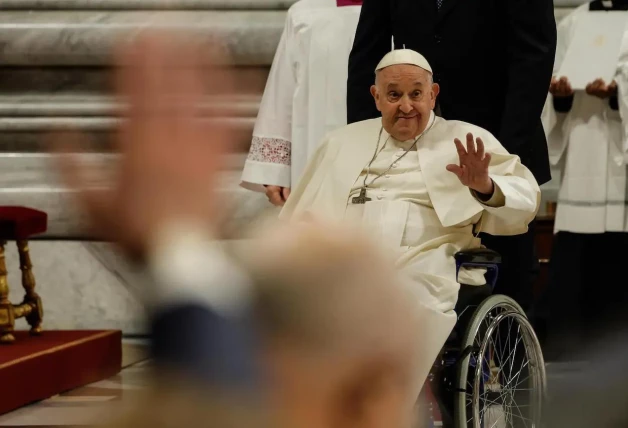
[{"x": 419, "y": 191}]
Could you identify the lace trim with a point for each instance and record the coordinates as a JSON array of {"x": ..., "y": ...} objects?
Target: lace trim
[{"x": 270, "y": 150}]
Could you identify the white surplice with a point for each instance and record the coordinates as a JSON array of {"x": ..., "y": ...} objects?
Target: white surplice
[
  {"x": 305, "y": 95},
  {"x": 418, "y": 209},
  {"x": 589, "y": 146}
]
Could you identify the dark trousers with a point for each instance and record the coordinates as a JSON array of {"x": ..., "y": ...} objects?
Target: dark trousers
[
  {"x": 519, "y": 268},
  {"x": 587, "y": 293}
]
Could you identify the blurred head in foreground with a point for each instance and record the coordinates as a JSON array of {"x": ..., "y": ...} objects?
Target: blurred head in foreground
[
  {"x": 337, "y": 328},
  {"x": 336, "y": 334}
]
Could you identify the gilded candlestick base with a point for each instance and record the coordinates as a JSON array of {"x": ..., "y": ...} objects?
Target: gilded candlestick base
[
  {"x": 31, "y": 308},
  {"x": 35, "y": 317},
  {"x": 7, "y": 338}
]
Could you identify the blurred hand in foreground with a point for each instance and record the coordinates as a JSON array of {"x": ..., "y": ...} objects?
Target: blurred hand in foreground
[{"x": 170, "y": 159}]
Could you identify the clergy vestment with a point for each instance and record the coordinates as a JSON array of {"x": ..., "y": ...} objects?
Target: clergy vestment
[
  {"x": 587, "y": 141},
  {"x": 305, "y": 95},
  {"x": 418, "y": 211},
  {"x": 508, "y": 44}
]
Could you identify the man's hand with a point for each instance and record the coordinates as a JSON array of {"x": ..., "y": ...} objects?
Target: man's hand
[
  {"x": 598, "y": 88},
  {"x": 277, "y": 195},
  {"x": 561, "y": 88},
  {"x": 170, "y": 159},
  {"x": 473, "y": 168}
]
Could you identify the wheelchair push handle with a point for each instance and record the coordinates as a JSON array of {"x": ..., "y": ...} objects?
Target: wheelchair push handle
[{"x": 480, "y": 258}]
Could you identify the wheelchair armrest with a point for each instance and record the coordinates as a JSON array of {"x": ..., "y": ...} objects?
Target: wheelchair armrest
[{"x": 478, "y": 256}]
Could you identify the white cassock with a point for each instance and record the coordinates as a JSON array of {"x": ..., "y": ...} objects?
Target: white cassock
[
  {"x": 418, "y": 210},
  {"x": 305, "y": 95},
  {"x": 588, "y": 144}
]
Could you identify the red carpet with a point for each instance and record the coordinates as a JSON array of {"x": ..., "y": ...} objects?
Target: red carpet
[{"x": 36, "y": 368}]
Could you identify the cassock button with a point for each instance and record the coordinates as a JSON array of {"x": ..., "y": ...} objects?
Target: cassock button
[
  {"x": 384, "y": 190},
  {"x": 395, "y": 165},
  {"x": 387, "y": 175},
  {"x": 379, "y": 197}
]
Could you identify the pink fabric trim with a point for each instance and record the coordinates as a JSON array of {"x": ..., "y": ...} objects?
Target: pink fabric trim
[
  {"x": 341, "y": 3},
  {"x": 270, "y": 150}
]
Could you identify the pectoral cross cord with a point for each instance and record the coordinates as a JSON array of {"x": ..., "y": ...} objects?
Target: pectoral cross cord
[{"x": 362, "y": 198}]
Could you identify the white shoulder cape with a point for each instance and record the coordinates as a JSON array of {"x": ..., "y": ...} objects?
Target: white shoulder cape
[{"x": 324, "y": 188}]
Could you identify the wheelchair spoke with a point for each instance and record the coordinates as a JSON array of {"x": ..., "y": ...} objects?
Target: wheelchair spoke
[
  {"x": 520, "y": 416},
  {"x": 517, "y": 379},
  {"x": 504, "y": 378}
]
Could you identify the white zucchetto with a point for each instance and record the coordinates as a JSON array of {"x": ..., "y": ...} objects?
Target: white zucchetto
[{"x": 404, "y": 56}]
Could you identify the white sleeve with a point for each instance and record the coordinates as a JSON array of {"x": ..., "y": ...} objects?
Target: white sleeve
[
  {"x": 514, "y": 197},
  {"x": 269, "y": 158},
  {"x": 553, "y": 121},
  {"x": 621, "y": 78},
  {"x": 187, "y": 266},
  {"x": 497, "y": 199}
]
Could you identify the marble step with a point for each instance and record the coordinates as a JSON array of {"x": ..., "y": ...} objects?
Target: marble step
[
  {"x": 63, "y": 105},
  {"x": 145, "y": 4},
  {"x": 33, "y": 82},
  {"x": 31, "y": 180},
  {"x": 33, "y": 134},
  {"x": 85, "y": 38}
]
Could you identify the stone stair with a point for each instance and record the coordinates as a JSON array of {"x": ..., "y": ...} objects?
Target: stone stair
[{"x": 55, "y": 74}]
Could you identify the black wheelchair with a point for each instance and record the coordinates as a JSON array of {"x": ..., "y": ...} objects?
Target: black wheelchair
[{"x": 491, "y": 372}]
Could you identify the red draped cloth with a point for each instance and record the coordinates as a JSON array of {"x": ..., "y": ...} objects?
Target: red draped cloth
[
  {"x": 20, "y": 223},
  {"x": 341, "y": 3}
]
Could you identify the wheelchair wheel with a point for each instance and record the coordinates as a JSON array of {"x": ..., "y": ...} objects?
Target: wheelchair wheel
[{"x": 501, "y": 380}]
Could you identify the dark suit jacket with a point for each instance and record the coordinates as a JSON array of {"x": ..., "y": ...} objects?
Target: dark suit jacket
[
  {"x": 492, "y": 58},
  {"x": 194, "y": 341}
]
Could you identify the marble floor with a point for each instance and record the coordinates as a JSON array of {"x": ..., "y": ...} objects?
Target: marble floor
[
  {"x": 99, "y": 402},
  {"x": 92, "y": 404}
]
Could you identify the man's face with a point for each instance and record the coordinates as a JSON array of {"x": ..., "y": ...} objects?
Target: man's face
[{"x": 405, "y": 95}]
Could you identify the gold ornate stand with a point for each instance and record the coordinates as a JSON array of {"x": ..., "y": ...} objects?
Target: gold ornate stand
[{"x": 31, "y": 307}]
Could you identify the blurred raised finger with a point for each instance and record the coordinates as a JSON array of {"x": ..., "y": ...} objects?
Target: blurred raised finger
[{"x": 75, "y": 173}]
